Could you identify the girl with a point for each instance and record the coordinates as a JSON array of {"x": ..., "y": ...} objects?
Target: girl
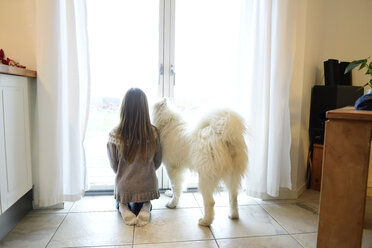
[{"x": 135, "y": 154}]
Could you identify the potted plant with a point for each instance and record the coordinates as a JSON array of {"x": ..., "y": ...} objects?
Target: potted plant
[{"x": 365, "y": 101}]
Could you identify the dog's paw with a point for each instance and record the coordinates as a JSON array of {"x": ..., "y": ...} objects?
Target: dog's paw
[
  {"x": 234, "y": 215},
  {"x": 171, "y": 204},
  {"x": 203, "y": 222},
  {"x": 168, "y": 193}
]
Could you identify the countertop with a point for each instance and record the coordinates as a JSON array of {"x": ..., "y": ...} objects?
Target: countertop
[{"x": 12, "y": 70}]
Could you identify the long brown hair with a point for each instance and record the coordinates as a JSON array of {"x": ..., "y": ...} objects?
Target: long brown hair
[{"x": 136, "y": 133}]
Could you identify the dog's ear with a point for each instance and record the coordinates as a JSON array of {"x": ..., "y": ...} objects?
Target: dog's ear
[
  {"x": 160, "y": 104},
  {"x": 163, "y": 102}
]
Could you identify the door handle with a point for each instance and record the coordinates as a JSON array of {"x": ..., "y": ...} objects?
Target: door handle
[
  {"x": 173, "y": 74},
  {"x": 161, "y": 73}
]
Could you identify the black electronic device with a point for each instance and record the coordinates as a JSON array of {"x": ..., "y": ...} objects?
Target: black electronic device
[
  {"x": 324, "y": 98},
  {"x": 334, "y": 73},
  {"x": 345, "y": 79}
]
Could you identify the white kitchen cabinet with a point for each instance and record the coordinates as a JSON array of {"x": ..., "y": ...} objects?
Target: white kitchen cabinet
[{"x": 15, "y": 140}]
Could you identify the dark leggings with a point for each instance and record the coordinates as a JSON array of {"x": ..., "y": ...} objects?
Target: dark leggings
[{"x": 135, "y": 207}]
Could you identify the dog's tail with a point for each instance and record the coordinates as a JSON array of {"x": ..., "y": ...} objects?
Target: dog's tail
[
  {"x": 226, "y": 124},
  {"x": 232, "y": 127},
  {"x": 224, "y": 133}
]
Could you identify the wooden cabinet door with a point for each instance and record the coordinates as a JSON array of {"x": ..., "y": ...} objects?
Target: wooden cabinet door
[{"x": 15, "y": 157}]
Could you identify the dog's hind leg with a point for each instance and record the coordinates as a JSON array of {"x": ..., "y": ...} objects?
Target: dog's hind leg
[
  {"x": 207, "y": 187},
  {"x": 176, "y": 178},
  {"x": 232, "y": 184}
]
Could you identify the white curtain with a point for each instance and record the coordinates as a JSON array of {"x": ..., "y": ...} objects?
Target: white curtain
[
  {"x": 62, "y": 98},
  {"x": 266, "y": 61}
]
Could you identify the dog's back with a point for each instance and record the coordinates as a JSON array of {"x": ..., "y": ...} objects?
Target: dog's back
[{"x": 218, "y": 144}]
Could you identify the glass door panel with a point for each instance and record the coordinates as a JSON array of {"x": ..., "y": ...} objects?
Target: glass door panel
[
  {"x": 205, "y": 56},
  {"x": 206, "y": 48},
  {"x": 124, "y": 52}
]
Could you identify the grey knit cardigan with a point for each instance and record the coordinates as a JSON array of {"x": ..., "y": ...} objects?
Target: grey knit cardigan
[{"x": 136, "y": 181}]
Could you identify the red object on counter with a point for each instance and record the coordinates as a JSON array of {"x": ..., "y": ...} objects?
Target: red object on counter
[{"x": 9, "y": 61}]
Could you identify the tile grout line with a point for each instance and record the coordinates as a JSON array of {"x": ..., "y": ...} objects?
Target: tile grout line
[
  {"x": 72, "y": 205},
  {"x": 304, "y": 233},
  {"x": 56, "y": 230},
  {"x": 262, "y": 236},
  {"x": 256, "y": 236},
  {"x": 173, "y": 242},
  {"x": 281, "y": 226},
  {"x": 214, "y": 237},
  {"x": 210, "y": 229},
  {"x": 215, "y": 240},
  {"x": 197, "y": 203},
  {"x": 296, "y": 240},
  {"x": 275, "y": 220},
  {"x": 295, "y": 204},
  {"x": 300, "y": 234},
  {"x": 134, "y": 229}
]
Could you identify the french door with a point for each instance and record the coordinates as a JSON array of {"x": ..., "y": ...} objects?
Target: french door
[
  {"x": 143, "y": 43},
  {"x": 124, "y": 53}
]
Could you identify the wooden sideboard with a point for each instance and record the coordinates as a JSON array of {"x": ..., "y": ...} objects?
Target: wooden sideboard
[{"x": 347, "y": 142}]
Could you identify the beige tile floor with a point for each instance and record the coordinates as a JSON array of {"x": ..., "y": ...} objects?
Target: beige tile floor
[{"x": 94, "y": 222}]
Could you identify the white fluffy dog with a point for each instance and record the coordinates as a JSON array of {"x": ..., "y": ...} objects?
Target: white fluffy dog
[{"x": 215, "y": 148}]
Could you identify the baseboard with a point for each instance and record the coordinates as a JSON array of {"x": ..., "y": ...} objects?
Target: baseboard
[
  {"x": 285, "y": 193},
  {"x": 56, "y": 206},
  {"x": 10, "y": 218},
  {"x": 292, "y": 194}
]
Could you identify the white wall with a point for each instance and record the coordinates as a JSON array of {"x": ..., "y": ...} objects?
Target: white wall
[
  {"x": 348, "y": 33},
  {"x": 306, "y": 74},
  {"x": 338, "y": 29},
  {"x": 18, "y": 36}
]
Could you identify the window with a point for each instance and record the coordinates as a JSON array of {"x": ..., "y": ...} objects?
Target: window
[{"x": 185, "y": 50}]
